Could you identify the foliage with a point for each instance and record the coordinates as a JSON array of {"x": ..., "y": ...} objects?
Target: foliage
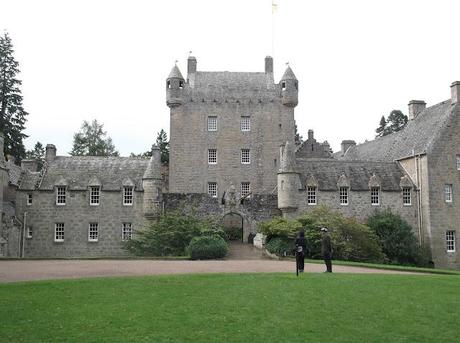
[
  {"x": 92, "y": 141},
  {"x": 12, "y": 113},
  {"x": 171, "y": 234},
  {"x": 280, "y": 246},
  {"x": 37, "y": 153},
  {"x": 161, "y": 142},
  {"x": 396, "y": 121},
  {"x": 298, "y": 139},
  {"x": 207, "y": 247},
  {"x": 397, "y": 238},
  {"x": 279, "y": 227}
]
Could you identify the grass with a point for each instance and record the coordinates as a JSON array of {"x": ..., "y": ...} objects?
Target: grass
[{"x": 234, "y": 308}]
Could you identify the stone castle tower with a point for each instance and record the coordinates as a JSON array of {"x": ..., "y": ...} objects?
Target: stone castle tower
[{"x": 226, "y": 128}]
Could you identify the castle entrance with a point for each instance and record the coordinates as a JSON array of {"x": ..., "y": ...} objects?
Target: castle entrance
[{"x": 233, "y": 226}]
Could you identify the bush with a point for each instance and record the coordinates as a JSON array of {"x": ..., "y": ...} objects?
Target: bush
[
  {"x": 397, "y": 238},
  {"x": 280, "y": 227},
  {"x": 280, "y": 246},
  {"x": 207, "y": 247},
  {"x": 171, "y": 234}
]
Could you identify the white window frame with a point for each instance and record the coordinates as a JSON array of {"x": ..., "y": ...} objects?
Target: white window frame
[
  {"x": 450, "y": 241},
  {"x": 93, "y": 232},
  {"x": 407, "y": 196},
  {"x": 94, "y": 195},
  {"x": 29, "y": 232},
  {"x": 245, "y": 124},
  {"x": 448, "y": 194},
  {"x": 126, "y": 231},
  {"x": 458, "y": 162},
  {"x": 29, "y": 199},
  {"x": 61, "y": 194},
  {"x": 128, "y": 195},
  {"x": 311, "y": 195},
  {"x": 343, "y": 196},
  {"x": 375, "y": 195},
  {"x": 212, "y": 156},
  {"x": 59, "y": 230},
  {"x": 212, "y": 189},
  {"x": 245, "y": 189},
  {"x": 245, "y": 156},
  {"x": 212, "y": 123}
]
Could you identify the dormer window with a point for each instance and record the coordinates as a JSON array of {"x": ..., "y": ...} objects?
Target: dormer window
[
  {"x": 283, "y": 86},
  {"x": 128, "y": 195},
  {"x": 407, "y": 196},
  {"x": 311, "y": 195},
  {"x": 375, "y": 196},
  {"x": 60, "y": 195},
  {"x": 29, "y": 199},
  {"x": 94, "y": 195}
]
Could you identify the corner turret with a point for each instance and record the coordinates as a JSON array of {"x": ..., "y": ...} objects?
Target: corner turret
[
  {"x": 152, "y": 183},
  {"x": 288, "y": 181},
  {"x": 289, "y": 86},
  {"x": 175, "y": 84}
]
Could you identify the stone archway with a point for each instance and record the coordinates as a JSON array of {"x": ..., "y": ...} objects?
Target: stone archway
[{"x": 233, "y": 224}]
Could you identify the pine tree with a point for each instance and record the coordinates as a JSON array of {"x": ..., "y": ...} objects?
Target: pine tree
[
  {"x": 92, "y": 141},
  {"x": 382, "y": 127},
  {"x": 37, "y": 153},
  {"x": 12, "y": 113},
  {"x": 397, "y": 120},
  {"x": 163, "y": 143},
  {"x": 298, "y": 139}
]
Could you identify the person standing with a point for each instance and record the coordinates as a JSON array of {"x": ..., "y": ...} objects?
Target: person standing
[
  {"x": 326, "y": 249},
  {"x": 300, "y": 250}
]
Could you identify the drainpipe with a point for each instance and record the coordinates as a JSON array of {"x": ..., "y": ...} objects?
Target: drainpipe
[
  {"x": 24, "y": 233},
  {"x": 419, "y": 198}
]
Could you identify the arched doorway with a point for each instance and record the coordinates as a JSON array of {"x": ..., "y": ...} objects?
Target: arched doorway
[{"x": 233, "y": 226}]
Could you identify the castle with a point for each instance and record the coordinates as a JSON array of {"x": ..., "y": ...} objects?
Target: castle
[{"x": 233, "y": 155}]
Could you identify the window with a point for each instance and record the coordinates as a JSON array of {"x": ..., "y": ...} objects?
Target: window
[
  {"x": 407, "y": 196},
  {"x": 245, "y": 123},
  {"x": 126, "y": 231},
  {"x": 59, "y": 232},
  {"x": 93, "y": 232},
  {"x": 245, "y": 156},
  {"x": 448, "y": 193},
  {"x": 375, "y": 196},
  {"x": 450, "y": 241},
  {"x": 212, "y": 189},
  {"x": 212, "y": 123},
  {"x": 29, "y": 199},
  {"x": 311, "y": 195},
  {"x": 60, "y": 195},
  {"x": 181, "y": 84},
  {"x": 245, "y": 189},
  {"x": 283, "y": 86},
  {"x": 94, "y": 195},
  {"x": 343, "y": 195},
  {"x": 458, "y": 162},
  {"x": 128, "y": 195},
  {"x": 29, "y": 232},
  {"x": 212, "y": 156}
]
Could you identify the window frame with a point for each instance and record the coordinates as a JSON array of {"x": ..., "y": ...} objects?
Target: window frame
[
  {"x": 245, "y": 156},
  {"x": 126, "y": 231},
  {"x": 212, "y": 192},
  {"x": 212, "y": 159},
  {"x": 96, "y": 196},
  {"x": 245, "y": 124},
  {"x": 406, "y": 196},
  {"x": 458, "y": 161},
  {"x": 450, "y": 241},
  {"x": 344, "y": 196},
  {"x": 61, "y": 227},
  {"x": 29, "y": 199},
  {"x": 29, "y": 232},
  {"x": 127, "y": 196},
  {"x": 448, "y": 193},
  {"x": 61, "y": 198},
  {"x": 212, "y": 124},
  {"x": 312, "y": 196},
  {"x": 375, "y": 196},
  {"x": 93, "y": 232},
  {"x": 245, "y": 189}
]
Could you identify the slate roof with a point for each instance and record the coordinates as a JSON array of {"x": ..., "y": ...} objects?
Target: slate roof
[
  {"x": 288, "y": 74},
  {"x": 328, "y": 171},
  {"x": 417, "y": 137},
  {"x": 79, "y": 171},
  {"x": 241, "y": 80},
  {"x": 175, "y": 73},
  {"x": 29, "y": 180},
  {"x": 14, "y": 173}
]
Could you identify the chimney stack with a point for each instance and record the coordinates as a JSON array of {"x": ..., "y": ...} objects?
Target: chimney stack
[
  {"x": 310, "y": 135},
  {"x": 50, "y": 154},
  {"x": 268, "y": 65},
  {"x": 346, "y": 145},
  {"x": 415, "y": 107},
  {"x": 455, "y": 90},
  {"x": 30, "y": 165},
  {"x": 191, "y": 65}
]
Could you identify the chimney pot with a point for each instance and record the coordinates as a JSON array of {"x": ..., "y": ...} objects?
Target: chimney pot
[
  {"x": 191, "y": 65},
  {"x": 346, "y": 144},
  {"x": 455, "y": 90},
  {"x": 310, "y": 135}
]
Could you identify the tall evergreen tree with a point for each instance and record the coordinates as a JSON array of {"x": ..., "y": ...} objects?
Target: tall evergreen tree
[
  {"x": 382, "y": 129},
  {"x": 92, "y": 141},
  {"x": 12, "y": 113},
  {"x": 298, "y": 139},
  {"x": 37, "y": 153},
  {"x": 396, "y": 121},
  {"x": 163, "y": 143}
]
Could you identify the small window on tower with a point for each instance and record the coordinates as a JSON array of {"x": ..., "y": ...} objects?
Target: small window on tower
[
  {"x": 283, "y": 86},
  {"x": 168, "y": 84},
  {"x": 181, "y": 84}
]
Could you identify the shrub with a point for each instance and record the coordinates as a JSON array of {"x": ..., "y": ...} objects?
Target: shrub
[
  {"x": 171, "y": 234},
  {"x": 280, "y": 246},
  {"x": 397, "y": 238},
  {"x": 280, "y": 227},
  {"x": 207, "y": 247}
]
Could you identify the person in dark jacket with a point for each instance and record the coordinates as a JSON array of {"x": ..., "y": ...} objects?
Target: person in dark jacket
[
  {"x": 326, "y": 249},
  {"x": 300, "y": 250}
]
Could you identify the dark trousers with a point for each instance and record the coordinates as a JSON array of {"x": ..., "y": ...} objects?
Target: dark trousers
[
  {"x": 300, "y": 257},
  {"x": 328, "y": 261}
]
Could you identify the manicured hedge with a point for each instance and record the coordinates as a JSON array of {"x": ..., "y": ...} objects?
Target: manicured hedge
[{"x": 207, "y": 247}]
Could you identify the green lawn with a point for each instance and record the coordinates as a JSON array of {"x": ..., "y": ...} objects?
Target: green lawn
[{"x": 234, "y": 308}]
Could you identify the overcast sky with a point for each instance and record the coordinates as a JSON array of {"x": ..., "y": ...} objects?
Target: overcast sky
[{"x": 108, "y": 60}]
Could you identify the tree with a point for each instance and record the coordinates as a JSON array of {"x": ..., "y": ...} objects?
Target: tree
[
  {"x": 163, "y": 143},
  {"x": 12, "y": 113},
  {"x": 396, "y": 121},
  {"x": 298, "y": 139},
  {"x": 92, "y": 141},
  {"x": 37, "y": 153}
]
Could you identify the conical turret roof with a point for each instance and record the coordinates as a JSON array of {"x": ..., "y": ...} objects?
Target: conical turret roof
[
  {"x": 153, "y": 168},
  {"x": 288, "y": 74},
  {"x": 175, "y": 73}
]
